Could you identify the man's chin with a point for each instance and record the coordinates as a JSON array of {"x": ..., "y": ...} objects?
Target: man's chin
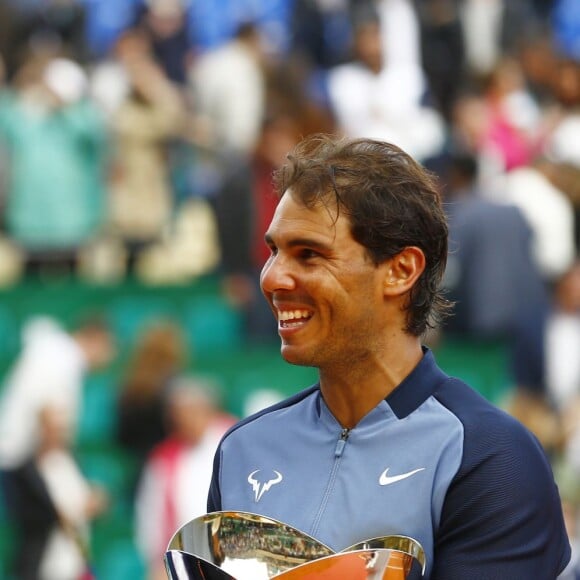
[{"x": 295, "y": 356}]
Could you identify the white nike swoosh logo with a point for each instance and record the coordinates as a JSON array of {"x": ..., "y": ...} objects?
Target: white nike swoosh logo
[{"x": 387, "y": 480}]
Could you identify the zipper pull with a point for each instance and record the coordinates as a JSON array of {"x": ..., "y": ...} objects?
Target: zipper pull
[{"x": 341, "y": 442}]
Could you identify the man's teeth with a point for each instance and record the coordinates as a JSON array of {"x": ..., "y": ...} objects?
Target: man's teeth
[{"x": 293, "y": 315}]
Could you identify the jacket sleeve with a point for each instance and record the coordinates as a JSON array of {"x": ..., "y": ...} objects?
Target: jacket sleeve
[{"x": 502, "y": 516}]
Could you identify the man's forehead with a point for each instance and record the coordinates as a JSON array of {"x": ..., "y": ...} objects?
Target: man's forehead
[
  {"x": 294, "y": 220},
  {"x": 318, "y": 204}
]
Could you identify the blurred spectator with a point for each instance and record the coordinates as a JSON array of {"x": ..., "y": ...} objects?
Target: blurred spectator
[
  {"x": 142, "y": 127},
  {"x": 287, "y": 97},
  {"x": 496, "y": 28},
  {"x": 563, "y": 145},
  {"x": 228, "y": 91},
  {"x": 165, "y": 24},
  {"x": 49, "y": 373},
  {"x": 50, "y": 369},
  {"x": 400, "y": 30},
  {"x": 563, "y": 341},
  {"x": 245, "y": 204},
  {"x": 377, "y": 99},
  {"x": 162, "y": 228},
  {"x": 76, "y": 501},
  {"x": 229, "y": 96},
  {"x": 566, "y": 178},
  {"x": 513, "y": 131},
  {"x": 53, "y": 504},
  {"x": 538, "y": 60},
  {"x": 59, "y": 24},
  {"x": 500, "y": 122},
  {"x": 34, "y": 27},
  {"x": 492, "y": 276},
  {"x": 572, "y": 447},
  {"x": 548, "y": 211},
  {"x": 321, "y": 32},
  {"x": 55, "y": 141},
  {"x": 32, "y": 517},
  {"x": 175, "y": 482},
  {"x": 442, "y": 50},
  {"x": 563, "y": 382},
  {"x": 500, "y": 294},
  {"x": 469, "y": 120},
  {"x": 9, "y": 41},
  {"x": 244, "y": 208},
  {"x": 321, "y": 38},
  {"x": 159, "y": 356}
]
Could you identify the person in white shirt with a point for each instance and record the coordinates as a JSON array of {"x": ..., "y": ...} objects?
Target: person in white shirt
[
  {"x": 50, "y": 369},
  {"x": 75, "y": 500},
  {"x": 379, "y": 97},
  {"x": 48, "y": 373},
  {"x": 175, "y": 481}
]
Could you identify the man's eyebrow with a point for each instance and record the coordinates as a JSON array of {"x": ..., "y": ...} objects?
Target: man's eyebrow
[{"x": 299, "y": 242}]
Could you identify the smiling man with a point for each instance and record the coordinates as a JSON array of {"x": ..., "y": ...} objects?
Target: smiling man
[{"x": 385, "y": 442}]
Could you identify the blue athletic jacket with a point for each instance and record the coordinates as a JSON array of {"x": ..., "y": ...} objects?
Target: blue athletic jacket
[{"x": 434, "y": 461}]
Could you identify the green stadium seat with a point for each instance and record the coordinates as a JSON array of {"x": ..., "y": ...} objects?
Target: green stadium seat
[
  {"x": 129, "y": 314},
  {"x": 98, "y": 414},
  {"x": 120, "y": 561},
  {"x": 481, "y": 364},
  {"x": 211, "y": 325}
]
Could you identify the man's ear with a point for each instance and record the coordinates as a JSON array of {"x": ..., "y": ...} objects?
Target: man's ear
[{"x": 403, "y": 270}]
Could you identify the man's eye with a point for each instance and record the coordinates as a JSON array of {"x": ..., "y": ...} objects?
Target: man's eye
[{"x": 306, "y": 254}]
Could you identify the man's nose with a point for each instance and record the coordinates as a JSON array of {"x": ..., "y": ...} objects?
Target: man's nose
[{"x": 277, "y": 275}]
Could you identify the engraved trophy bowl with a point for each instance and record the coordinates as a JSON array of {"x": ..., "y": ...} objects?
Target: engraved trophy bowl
[{"x": 231, "y": 545}]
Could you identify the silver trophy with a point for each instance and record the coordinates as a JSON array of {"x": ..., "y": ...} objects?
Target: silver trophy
[{"x": 246, "y": 546}]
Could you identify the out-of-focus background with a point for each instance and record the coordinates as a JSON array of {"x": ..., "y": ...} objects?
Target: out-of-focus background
[{"x": 137, "y": 142}]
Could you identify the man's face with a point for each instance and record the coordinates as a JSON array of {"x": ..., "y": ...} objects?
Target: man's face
[{"x": 322, "y": 287}]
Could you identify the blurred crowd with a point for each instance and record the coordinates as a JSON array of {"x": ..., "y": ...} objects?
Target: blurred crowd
[
  {"x": 49, "y": 501},
  {"x": 167, "y": 424},
  {"x": 138, "y": 138}
]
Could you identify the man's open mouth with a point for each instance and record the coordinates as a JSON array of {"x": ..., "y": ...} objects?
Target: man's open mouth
[{"x": 291, "y": 318}]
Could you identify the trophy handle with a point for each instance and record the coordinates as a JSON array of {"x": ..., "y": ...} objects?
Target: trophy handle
[{"x": 403, "y": 544}]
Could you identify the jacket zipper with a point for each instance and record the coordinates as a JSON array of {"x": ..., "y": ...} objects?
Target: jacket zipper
[
  {"x": 340, "y": 444},
  {"x": 338, "y": 451}
]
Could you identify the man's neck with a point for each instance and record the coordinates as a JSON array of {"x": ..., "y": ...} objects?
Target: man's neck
[{"x": 351, "y": 393}]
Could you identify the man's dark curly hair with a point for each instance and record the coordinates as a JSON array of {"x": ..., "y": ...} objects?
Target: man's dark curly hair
[{"x": 392, "y": 203}]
